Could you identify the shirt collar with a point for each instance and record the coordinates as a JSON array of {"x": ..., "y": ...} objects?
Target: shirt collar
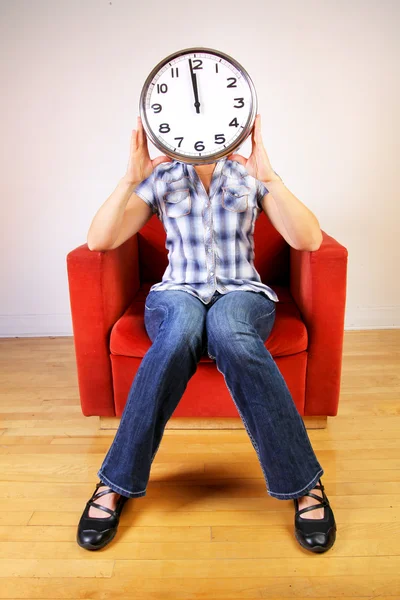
[
  {"x": 185, "y": 167},
  {"x": 231, "y": 169}
]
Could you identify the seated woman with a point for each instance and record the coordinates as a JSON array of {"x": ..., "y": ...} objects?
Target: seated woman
[{"x": 210, "y": 298}]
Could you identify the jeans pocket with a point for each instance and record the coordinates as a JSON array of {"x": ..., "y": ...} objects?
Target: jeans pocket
[
  {"x": 153, "y": 317},
  {"x": 148, "y": 300},
  {"x": 264, "y": 323}
]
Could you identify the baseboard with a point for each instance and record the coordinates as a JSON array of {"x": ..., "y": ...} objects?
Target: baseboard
[
  {"x": 60, "y": 324},
  {"x": 112, "y": 423},
  {"x": 372, "y": 317},
  {"x": 45, "y": 325}
]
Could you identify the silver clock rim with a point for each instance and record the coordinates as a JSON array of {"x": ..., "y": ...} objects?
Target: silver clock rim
[{"x": 201, "y": 160}]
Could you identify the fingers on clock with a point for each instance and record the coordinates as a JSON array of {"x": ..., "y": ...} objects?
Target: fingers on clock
[
  {"x": 134, "y": 140},
  {"x": 140, "y": 132},
  {"x": 257, "y": 130}
]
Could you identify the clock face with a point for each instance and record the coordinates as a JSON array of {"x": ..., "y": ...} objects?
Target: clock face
[{"x": 198, "y": 105}]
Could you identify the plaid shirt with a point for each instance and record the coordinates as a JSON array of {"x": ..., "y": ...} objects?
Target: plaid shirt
[{"x": 209, "y": 237}]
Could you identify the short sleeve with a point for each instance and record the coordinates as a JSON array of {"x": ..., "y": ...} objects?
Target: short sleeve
[
  {"x": 147, "y": 191},
  {"x": 261, "y": 191}
]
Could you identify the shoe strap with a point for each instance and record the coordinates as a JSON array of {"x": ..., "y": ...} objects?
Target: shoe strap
[
  {"x": 105, "y": 508},
  {"x": 313, "y": 507},
  {"x": 322, "y": 501},
  {"x": 318, "y": 487},
  {"x": 96, "y": 496}
]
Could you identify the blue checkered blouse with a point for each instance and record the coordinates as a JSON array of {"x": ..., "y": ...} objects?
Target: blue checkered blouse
[{"x": 209, "y": 237}]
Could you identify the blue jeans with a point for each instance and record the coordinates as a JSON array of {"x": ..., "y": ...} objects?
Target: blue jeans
[{"x": 233, "y": 328}]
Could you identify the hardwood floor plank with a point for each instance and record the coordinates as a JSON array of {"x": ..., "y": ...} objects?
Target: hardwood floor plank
[
  {"x": 50, "y": 567},
  {"x": 255, "y": 518},
  {"x": 207, "y": 528},
  {"x": 271, "y": 542},
  {"x": 197, "y": 588}
]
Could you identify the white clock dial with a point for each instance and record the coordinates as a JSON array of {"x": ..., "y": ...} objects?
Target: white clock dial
[{"x": 198, "y": 105}]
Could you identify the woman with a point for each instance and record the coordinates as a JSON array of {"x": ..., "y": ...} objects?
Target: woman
[{"x": 210, "y": 298}]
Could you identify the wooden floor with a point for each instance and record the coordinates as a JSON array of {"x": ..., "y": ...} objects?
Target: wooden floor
[{"x": 207, "y": 528}]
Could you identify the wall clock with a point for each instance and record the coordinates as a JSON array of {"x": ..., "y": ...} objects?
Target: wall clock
[{"x": 198, "y": 105}]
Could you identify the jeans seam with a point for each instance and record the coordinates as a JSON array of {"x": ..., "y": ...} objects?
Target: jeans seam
[
  {"x": 255, "y": 445},
  {"x": 106, "y": 480},
  {"x": 267, "y": 315},
  {"x": 306, "y": 434},
  {"x": 303, "y": 488},
  {"x": 155, "y": 308},
  {"x": 155, "y": 451},
  {"x": 99, "y": 473}
]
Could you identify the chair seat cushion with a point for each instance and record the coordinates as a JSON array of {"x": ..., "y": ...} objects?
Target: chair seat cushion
[{"x": 289, "y": 334}]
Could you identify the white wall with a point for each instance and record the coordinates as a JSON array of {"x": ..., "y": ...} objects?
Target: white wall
[{"x": 71, "y": 72}]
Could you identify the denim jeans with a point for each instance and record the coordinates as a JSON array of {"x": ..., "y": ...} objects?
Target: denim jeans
[{"x": 232, "y": 328}]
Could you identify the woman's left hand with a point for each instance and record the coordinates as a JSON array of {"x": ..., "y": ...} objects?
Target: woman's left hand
[{"x": 257, "y": 165}]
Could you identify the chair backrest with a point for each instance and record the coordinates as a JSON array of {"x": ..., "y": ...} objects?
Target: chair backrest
[{"x": 271, "y": 252}]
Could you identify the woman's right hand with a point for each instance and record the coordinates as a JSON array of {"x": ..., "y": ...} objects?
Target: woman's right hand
[{"x": 140, "y": 165}]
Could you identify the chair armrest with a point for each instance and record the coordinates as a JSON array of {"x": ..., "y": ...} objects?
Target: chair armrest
[
  {"x": 102, "y": 284},
  {"x": 318, "y": 286}
]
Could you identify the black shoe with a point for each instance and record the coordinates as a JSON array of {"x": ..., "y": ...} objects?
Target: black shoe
[
  {"x": 317, "y": 535},
  {"x": 95, "y": 533}
]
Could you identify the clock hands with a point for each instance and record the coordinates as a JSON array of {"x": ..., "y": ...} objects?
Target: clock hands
[{"x": 195, "y": 90}]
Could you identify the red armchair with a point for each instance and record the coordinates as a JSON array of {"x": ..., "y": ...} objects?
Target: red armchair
[{"x": 107, "y": 294}]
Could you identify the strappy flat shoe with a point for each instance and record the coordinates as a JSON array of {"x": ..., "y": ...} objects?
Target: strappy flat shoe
[
  {"x": 317, "y": 535},
  {"x": 95, "y": 533}
]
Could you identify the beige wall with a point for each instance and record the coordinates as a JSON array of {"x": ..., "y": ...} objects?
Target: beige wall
[{"x": 71, "y": 75}]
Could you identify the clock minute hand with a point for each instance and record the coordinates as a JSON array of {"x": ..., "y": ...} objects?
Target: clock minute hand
[
  {"x": 195, "y": 90},
  {"x": 196, "y": 94}
]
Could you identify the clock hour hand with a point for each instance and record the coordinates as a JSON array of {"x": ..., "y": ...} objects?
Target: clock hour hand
[{"x": 195, "y": 90}]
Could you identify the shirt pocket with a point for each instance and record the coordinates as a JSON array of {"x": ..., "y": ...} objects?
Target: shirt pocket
[
  {"x": 235, "y": 197},
  {"x": 178, "y": 198}
]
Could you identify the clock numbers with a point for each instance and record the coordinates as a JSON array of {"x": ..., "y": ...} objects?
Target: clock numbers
[
  {"x": 239, "y": 100},
  {"x": 163, "y": 88},
  {"x": 199, "y": 64},
  {"x": 182, "y": 101}
]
